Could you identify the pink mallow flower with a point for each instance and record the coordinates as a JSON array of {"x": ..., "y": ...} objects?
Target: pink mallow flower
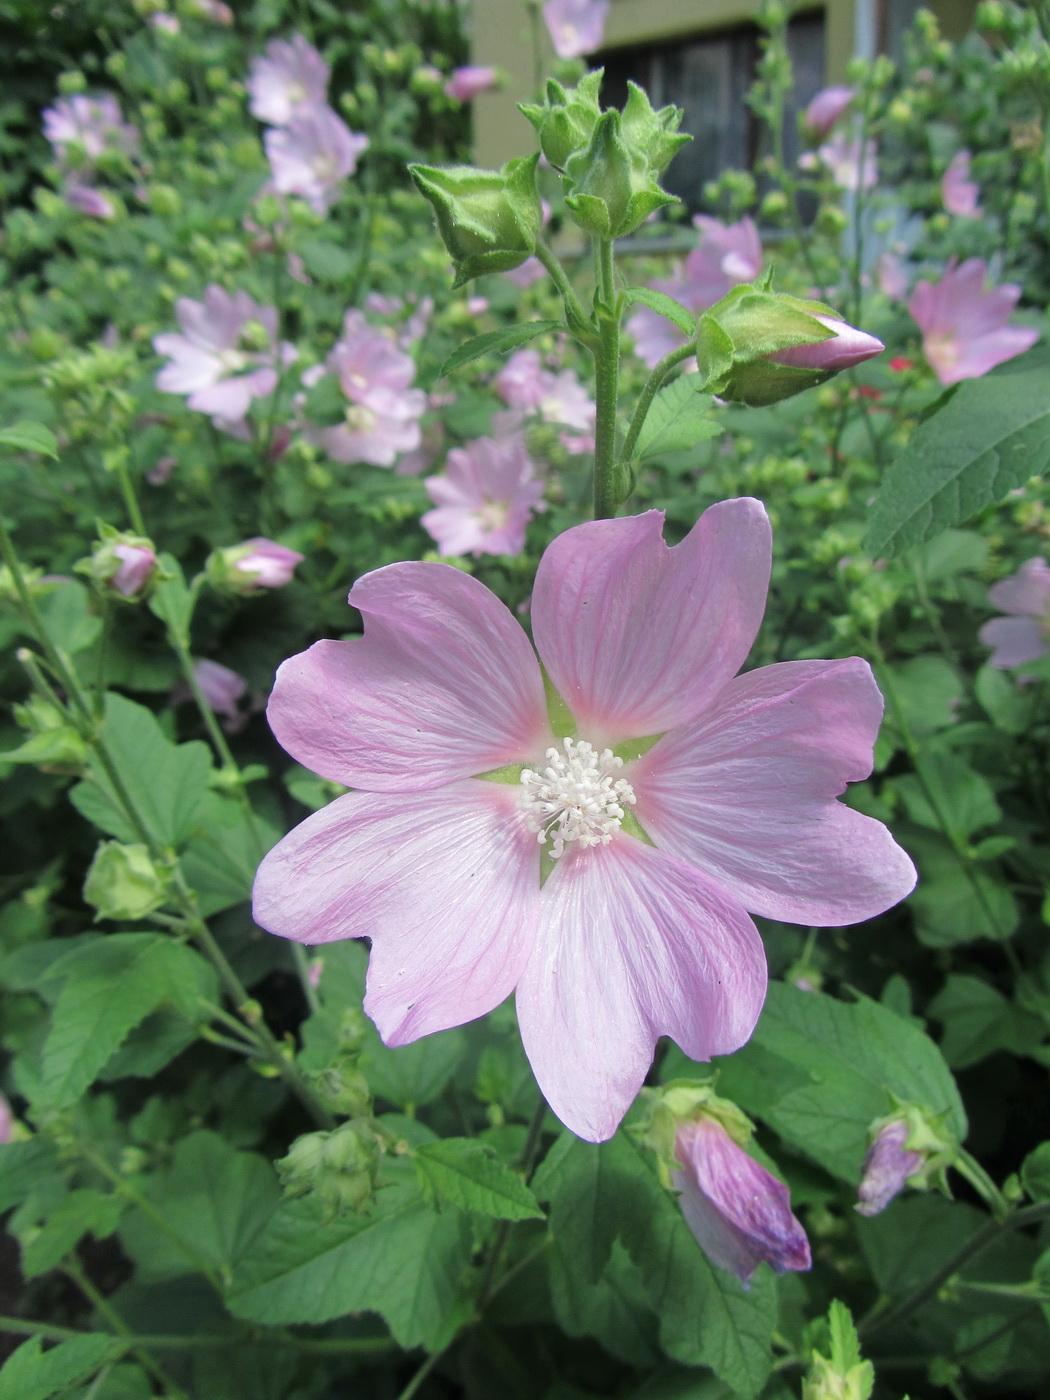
[
  {"x": 221, "y": 688},
  {"x": 887, "y": 1168},
  {"x": 88, "y": 200},
  {"x": 732, "y": 780},
  {"x": 467, "y": 83},
  {"x": 576, "y": 27},
  {"x": 964, "y": 330},
  {"x": 286, "y": 80},
  {"x": 826, "y": 109},
  {"x": 225, "y": 356},
  {"x": 959, "y": 192},
  {"x": 485, "y": 498},
  {"x": 852, "y": 166},
  {"x": 525, "y": 385},
  {"x": 312, "y": 155},
  {"x": 135, "y": 567},
  {"x": 1024, "y": 633},
  {"x": 727, "y": 255},
  {"x": 7, "y": 1121},
  {"x": 95, "y": 124},
  {"x": 382, "y": 419},
  {"x": 739, "y": 1212},
  {"x": 259, "y": 563},
  {"x": 845, "y": 349}
]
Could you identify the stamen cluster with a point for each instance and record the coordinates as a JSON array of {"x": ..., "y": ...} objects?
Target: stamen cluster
[{"x": 576, "y": 798}]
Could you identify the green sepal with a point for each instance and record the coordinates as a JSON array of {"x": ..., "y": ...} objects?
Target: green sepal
[
  {"x": 489, "y": 219},
  {"x": 566, "y": 121},
  {"x": 654, "y": 135},
  {"x": 684, "y": 1101}
]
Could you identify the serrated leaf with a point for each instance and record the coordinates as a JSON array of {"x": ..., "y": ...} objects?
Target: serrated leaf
[
  {"x": 172, "y": 600},
  {"x": 165, "y": 781},
  {"x": 464, "y": 1172},
  {"x": 403, "y": 1262},
  {"x": 223, "y": 852},
  {"x": 110, "y": 987},
  {"x": 992, "y": 435},
  {"x": 67, "y": 614},
  {"x": 819, "y": 1071},
  {"x": 77, "y": 1214},
  {"x": 29, "y": 437},
  {"x": 1035, "y": 1173},
  {"x": 962, "y": 799},
  {"x": 978, "y": 1020},
  {"x": 664, "y": 306},
  {"x": 23, "y": 1166},
  {"x": 30, "y": 1373},
  {"x": 217, "y": 1198},
  {"x": 410, "y": 1076},
  {"x": 509, "y": 338},
  {"x": 678, "y": 419}
]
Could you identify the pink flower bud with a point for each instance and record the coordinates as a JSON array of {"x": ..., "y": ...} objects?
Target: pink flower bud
[
  {"x": 466, "y": 83},
  {"x": 264, "y": 563},
  {"x": 220, "y": 686},
  {"x": 739, "y": 1212},
  {"x": 826, "y": 109},
  {"x": 887, "y": 1168},
  {"x": 137, "y": 563},
  {"x": 848, "y": 347}
]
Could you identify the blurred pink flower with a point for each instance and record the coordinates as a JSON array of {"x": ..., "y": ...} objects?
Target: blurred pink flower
[
  {"x": 7, "y": 1121},
  {"x": 739, "y": 1212},
  {"x": 525, "y": 385},
  {"x": 467, "y": 83},
  {"x": 844, "y": 158},
  {"x": 1025, "y": 633},
  {"x": 892, "y": 274},
  {"x": 726, "y": 255},
  {"x": 215, "y": 10},
  {"x": 312, "y": 155},
  {"x": 826, "y": 109},
  {"x": 959, "y": 192},
  {"x": 137, "y": 563},
  {"x": 382, "y": 419},
  {"x": 161, "y": 470},
  {"x": 210, "y": 361},
  {"x": 221, "y": 688},
  {"x": 286, "y": 80},
  {"x": 520, "y": 382},
  {"x": 845, "y": 349},
  {"x": 626, "y": 939},
  {"x": 264, "y": 563},
  {"x": 887, "y": 1168},
  {"x": 576, "y": 27},
  {"x": 485, "y": 498},
  {"x": 95, "y": 124},
  {"x": 89, "y": 200},
  {"x": 964, "y": 330},
  {"x": 527, "y": 273},
  {"x": 167, "y": 24}
]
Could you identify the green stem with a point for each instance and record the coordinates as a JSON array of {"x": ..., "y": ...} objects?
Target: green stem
[
  {"x": 985, "y": 1236},
  {"x": 573, "y": 310},
  {"x": 131, "y": 500},
  {"x": 275, "y": 1338},
  {"x": 968, "y": 1166},
  {"x": 650, "y": 389},
  {"x": 302, "y": 967},
  {"x": 420, "y": 1376},
  {"x": 106, "y": 1310},
  {"x": 607, "y": 373},
  {"x": 215, "y": 734}
]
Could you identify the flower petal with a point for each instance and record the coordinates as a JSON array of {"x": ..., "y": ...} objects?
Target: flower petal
[
  {"x": 1026, "y": 592},
  {"x": 747, "y": 794},
  {"x": 1014, "y": 640},
  {"x": 446, "y": 887},
  {"x": 443, "y": 685},
  {"x": 638, "y": 637},
  {"x": 633, "y": 944}
]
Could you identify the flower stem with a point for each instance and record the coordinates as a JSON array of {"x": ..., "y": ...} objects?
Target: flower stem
[
  {"x": 573, "y": 310},
  {"x": 607, "y": 373}
]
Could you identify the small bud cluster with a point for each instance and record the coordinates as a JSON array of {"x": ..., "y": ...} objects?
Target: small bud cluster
[{"x": 341, "y": 1166}]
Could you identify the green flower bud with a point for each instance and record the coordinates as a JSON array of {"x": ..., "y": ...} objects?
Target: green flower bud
[
  {"x": 341, "y": 1166},
  {"x": 566, "y": 121},
  {"x": 842, "y": 1375},
  {"x": 122, "y": 565},
  {"x": 53, "y": 745},
  {"x": 163, "y": 200},
  {"x": 610, "y": 192},
  {"x": 757, "y": 346},
  {"x": 124, "y": 883},
  {"x": 489, "y": 219},
  {"x": 652, "y": 136}
]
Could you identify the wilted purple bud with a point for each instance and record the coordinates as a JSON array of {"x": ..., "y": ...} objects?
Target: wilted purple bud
[
  {"x": 887, "y": 1168},
  {"x": 846, "y": 347},
  {"x": 739, "y": 1212}
]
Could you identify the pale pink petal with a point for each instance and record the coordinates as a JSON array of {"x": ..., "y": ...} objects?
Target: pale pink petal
[
  {"x": 442, "y": 685},
  {"x": 637, "y": 637},
  {"x": 445, "y": 885},
  {"x": 633, "y": 944},
  {"x": 989, "y": 350},
  {"x": 1025, "y": 592},
  {"x": 230, "y": 398},
  {"x": 1014, "y": 640},
  {"x": 746, "y": 793}
]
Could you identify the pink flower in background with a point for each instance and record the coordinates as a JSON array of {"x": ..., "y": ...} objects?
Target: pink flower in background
[
  {"x": 89, "y": 200},
  {"x": 286, "y": 80},
  {"x": 264, "y": 563},
  {"x": 7, "y": 1121},
  {"x": 887, "y": 1168},
  {"x": 467, "y": 83},
  {"x": 892, "y": 274},
  {"x": 524, "y": 384},
  {"x": 383, "y": 416},
  {"x": 739, "y": 1212},
  {"x": 167, "y": 24},
  {"x": 964, "y": 330},
  {"x": 485, "y": 498},
  {"x": 1024, "y": 633},
  {"x": 850, "y": 166},
  {"x": 135, "y": 569},
  {"x": 625, "y": 940},
  {"x": 313, "y": 155},
  {"x": 210, "y": 360},
  {"x": 727, "y": 255},
  {"x": 221, "y": 688},
  {"x": 959, "y": 192},
  {"x": 95, "y": 124},
  {"x": 846, "y": 348},
  {"x": 576, "y": 27},
  {"x": 215, "y": 10},
  {"x": 527, "y": 273},
  {"x": 826, "y": 109},
  {"x": 520, "y": 382}
]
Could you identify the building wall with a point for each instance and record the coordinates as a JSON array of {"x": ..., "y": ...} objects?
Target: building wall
[{"x": 503, "y": 37}]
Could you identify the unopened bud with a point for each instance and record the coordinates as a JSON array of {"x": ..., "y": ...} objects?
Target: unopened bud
[
  {"x": 910, "y": 1147},
  {"x": 121, "y": 565},
  {"x": 123, "y": 882},
  {"x": 489, "y": 219},
  {"x": 566, "y": 121},
  {"x": 256, "y": 564}
]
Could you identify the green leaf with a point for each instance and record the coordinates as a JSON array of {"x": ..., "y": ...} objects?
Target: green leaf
[
  {"x": 988, "y": 439},
  {"x": 403, "y": 1262},
  {"x": 30, "y": 1373},
  {"x": 110, "y": 987},
  {"x": 951, "y": 908},
  {"x": 410, "y": 1076},
  {"x": 66, "y": 611},
  {"x": 1035, "y": 1173},
  {"x": 23, "y": 1166},
  {"x": 509, "y": 338},
  {"x": 223, "y": 852},
  {"x": 665, "y": 306},
  {"x": 961, "y": 799},
  {"x": 819, "y": 1071},
  {"x": 77, "y": 1214},
  {"x": 928, "y": 690},
  {"x": 326, "y": 260},
  {"x": 165, "y": 781},
  {"x": 172, "y": 600},
  {"x": 30, "y": 437},
  {"x": 215, "y": 1197},
  {"x": 678, "y": 419},
  {"x": 1007, "y": 705},
  {"x": 467, "y": 1173},
  {"x": 978, "y": 1020}
]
